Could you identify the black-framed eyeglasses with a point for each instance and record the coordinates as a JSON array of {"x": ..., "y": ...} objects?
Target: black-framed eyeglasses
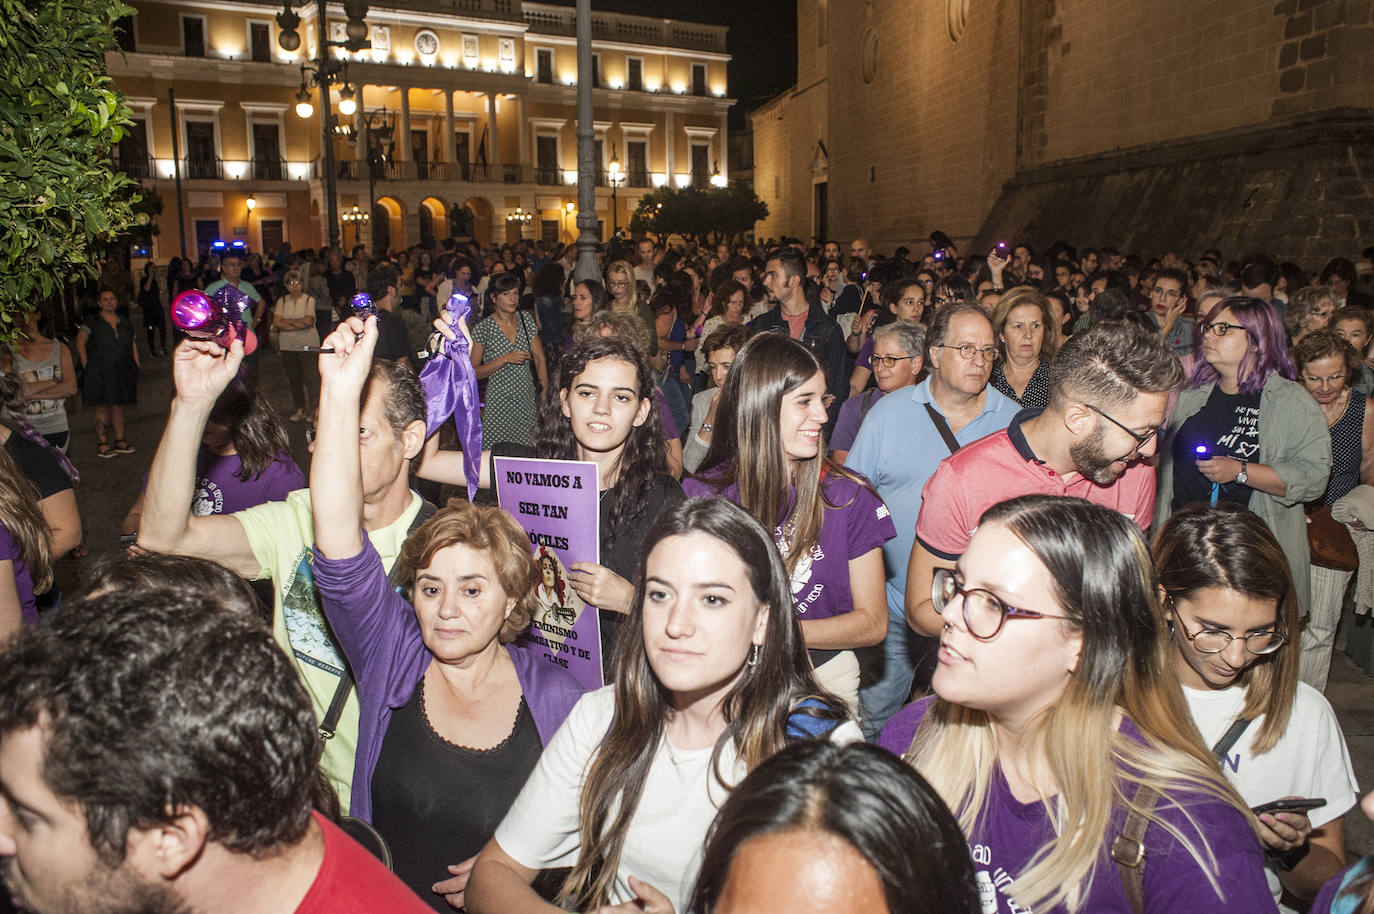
[
  {"x": 984, "y": 611},
  {"x": 1140, "y": 440},
  {"x": 1214, "y": 641},
  {"x": 1221, "y": 328},
  {"x": 968, "y": 350},
  {"x": 889, "y": 361}
]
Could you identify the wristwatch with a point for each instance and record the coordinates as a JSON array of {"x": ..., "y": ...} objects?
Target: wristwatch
[{"x": 1244, "y": 473}]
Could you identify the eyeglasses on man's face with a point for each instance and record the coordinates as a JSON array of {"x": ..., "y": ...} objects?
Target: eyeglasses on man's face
[
  {"x": 889, "y": 361},
  {"x": 967, "y": 351},
  {"x": 984, "y": 612},
  {"x": 1140, "y": 440}
]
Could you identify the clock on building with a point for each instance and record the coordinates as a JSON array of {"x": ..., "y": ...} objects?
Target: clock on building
[{"x": 426, "y": 42}]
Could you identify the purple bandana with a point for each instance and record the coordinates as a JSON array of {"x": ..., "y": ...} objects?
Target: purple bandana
[{"x": 450, "y": 385}]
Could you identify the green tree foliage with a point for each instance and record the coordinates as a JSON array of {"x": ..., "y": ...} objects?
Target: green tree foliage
[
  {"x": 60, "y": 202},
  {"x": 718, "y": 214}
]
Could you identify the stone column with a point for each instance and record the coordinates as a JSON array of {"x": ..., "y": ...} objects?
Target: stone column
[
  {"x": 670, "y": 143},
  {"x": 401, "y": 150},
  {"x": 493, "y": 131},
  {"x": 450, "y": 143},
  {"x": 724, "y": 146},
  {"x": 524, "y": 151}
]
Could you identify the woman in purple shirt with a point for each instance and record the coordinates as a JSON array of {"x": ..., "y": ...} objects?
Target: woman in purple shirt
[
  {"x": 1058, "y": 734},
  {"x": 25, "y": 559},
  {"x": 768, "y": 455},
  {"x": 452, "y": 716}
]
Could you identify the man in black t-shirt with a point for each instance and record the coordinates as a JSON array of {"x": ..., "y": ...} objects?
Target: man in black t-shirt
[{"x": 383, "y": 285}]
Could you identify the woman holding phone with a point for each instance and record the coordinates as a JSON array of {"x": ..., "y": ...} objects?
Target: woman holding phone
[{"x": 1233, "y": 619}]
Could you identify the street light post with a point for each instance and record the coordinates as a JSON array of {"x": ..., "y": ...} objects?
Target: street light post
[
  {"x": 325, "y": 71},
  {"x": 615, "y": 177},
  {"x": 373, "y": 160}
]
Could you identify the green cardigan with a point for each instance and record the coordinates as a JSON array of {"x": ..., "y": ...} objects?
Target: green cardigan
[{"x": 1295, "y": 441}]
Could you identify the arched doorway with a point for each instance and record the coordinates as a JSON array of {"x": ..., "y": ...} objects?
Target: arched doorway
[
  {"x": 460, "y": 222},
  {"x": 388, "y": 226},
  {"x": 431, "y": 215},
  {"x": 481, "y": 211}
]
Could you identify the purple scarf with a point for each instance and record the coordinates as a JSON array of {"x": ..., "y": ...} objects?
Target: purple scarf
[{"x": 450, "y": 385}]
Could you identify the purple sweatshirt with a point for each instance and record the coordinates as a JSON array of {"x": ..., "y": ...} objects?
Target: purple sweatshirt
[{"x": 378, "y": 632}]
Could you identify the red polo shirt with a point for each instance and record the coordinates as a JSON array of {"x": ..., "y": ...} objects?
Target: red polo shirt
[{"x": 1003, "y": 466}]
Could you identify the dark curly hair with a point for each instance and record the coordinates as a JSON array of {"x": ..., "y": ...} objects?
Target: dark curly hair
[
  {"x": 254, "y": 426},
  {"x": 147, "y": 704},
  {"x": 644, "y": 455}
]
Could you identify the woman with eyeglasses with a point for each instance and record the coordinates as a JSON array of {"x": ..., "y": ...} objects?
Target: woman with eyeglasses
[
  {"x": 897, "y": 357},
  {"x": 899, "y": 300},
  {"x": 1022, "y": 324},
  {"x": 768, "y": 455},
  {"x": 1233, "y": 621},
  {"x": 1059, "y": 738},
  {"x": 1326, "y": 366},
  {"x": 1245, "y": 432},
  {"x": 620, "y": 286}
]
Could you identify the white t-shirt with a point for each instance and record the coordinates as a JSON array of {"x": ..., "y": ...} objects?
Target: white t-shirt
[
  {"x": 667, "y": 832},
  {"x": 1309, "y": 760}
]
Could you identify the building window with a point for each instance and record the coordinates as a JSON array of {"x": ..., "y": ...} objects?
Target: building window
[
  {"x": 267, "y": 164},
  {"x": 124, "y": 33},
  {"x": 272, "y": 236},
  {"x": 596, "y": 71},
  {"x": 201, "y": 161},
  {"x": 701, "y": 165},
  {"x": 543, "y": 65},
  {"x": 637, "y": 163},
  {"x": 207, "y": 233},
  {"x": 133, "y": 150},
  {"x": 698, "y": 79},
  {"x": 470, "y": 50},
  {"x": 548, "y": 231},
  {"x": 634, "y": 74},
  {"x": 193, "y": 35},
  {"x": 546, "y": 160},
  {"x": 260, "y": 42}
]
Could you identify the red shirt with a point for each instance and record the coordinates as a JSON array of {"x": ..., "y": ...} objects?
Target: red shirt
[
  {"x": 1002, "y": 466},
  {"x": 796, "y": 323},
  {"x": 352, "y": 881}
]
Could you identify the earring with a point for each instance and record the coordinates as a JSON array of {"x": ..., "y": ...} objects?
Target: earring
[{"x": 753, "y": 655}]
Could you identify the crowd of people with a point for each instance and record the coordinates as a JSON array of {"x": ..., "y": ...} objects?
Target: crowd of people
[{"x": 988, "y": 583}]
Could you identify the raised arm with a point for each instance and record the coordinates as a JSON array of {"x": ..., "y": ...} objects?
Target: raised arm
[
  {"x": 200, "y": 371},
  {"x": 336, "y": 475}
]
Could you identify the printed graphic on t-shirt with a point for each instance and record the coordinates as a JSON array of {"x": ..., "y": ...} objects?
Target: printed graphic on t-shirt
[
  {"x": 993, "y": 881},
  {"x": 311, "y": 640},
  {"x": 208, "y": 498},
  {"x": 801, "y": 575},
  {"x": 1242, "y": 441}
]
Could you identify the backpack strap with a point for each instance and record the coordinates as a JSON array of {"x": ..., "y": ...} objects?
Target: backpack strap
[
  {"x": 1228, "y": 739},
  {"x": 1128, "y": 848},
  {"x": 942, "y": 427}
]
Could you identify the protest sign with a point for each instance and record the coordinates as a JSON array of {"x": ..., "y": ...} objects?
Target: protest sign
[{"x": 555, "y": 501}]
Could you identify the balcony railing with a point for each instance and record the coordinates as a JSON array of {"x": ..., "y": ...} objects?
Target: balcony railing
[
  {"x": 142, "y": 167},
  {"x": 135, "y": 166},
  {"x": 268, "y": 169},
  {"x": 464, "y": 172},
  {"x": 637, "y": 178},
  {"x": 204, "y": 167}
]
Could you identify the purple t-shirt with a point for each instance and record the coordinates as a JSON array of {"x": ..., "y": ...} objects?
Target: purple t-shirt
[
  {"x": 1010, "y": 832},
  {"x": 23, "y": 581},
  {"x": 864, "y": 359},
  {"x": 851, "y": 417},
  {"x": 670, "y": 429},
  {"x": 219, "y": 491},
  {"x": 855, "y": 522}
]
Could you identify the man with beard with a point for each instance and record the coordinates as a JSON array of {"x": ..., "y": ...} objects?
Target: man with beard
[
  {"x": 158, "y": 755},
  {"x": 1109, "y": 387}
]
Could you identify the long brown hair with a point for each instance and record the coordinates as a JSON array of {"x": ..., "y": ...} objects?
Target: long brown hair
[
  {"x": 1227, "y": 547},
  {"x": 756, "y": 710},
  {"x": 22, "y": 517},
  {"x": 747, "y": 448}
]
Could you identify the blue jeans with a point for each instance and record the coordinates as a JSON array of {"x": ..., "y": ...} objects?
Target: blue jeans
[{"x": 888, "y": 672}]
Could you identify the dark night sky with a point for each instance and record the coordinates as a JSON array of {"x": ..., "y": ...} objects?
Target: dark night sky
[{"x": 762, "y": 41}]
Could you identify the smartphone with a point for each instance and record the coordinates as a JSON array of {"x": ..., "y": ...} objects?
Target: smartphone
[
  {"x": 1001, "y": 249},
  {"x": 128, "y": 539},
  {"x": 1292, "y": 804}
]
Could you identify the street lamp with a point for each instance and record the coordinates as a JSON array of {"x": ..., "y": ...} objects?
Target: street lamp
[
  {"x": 321, "y": 74},
  {"x": 717, "y": 179},
  {"x": 616, "y": 177},
  {"x": 520, "y": 219}
]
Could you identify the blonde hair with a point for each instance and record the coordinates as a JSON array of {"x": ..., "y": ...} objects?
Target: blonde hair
[
  {"x": 1104, "y": 583},
  {"x": 622, "y": 268},
  {"x": 23, "y": 518}
]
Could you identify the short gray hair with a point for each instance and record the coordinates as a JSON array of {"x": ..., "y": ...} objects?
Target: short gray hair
[{"x": 909, "y": 335}]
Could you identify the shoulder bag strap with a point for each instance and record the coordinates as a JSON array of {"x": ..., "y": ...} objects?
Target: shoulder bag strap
[
  {"x": 1128, "y": 849},
  {"x": 1228, "y": 739},
  {"x": 867, "y": 403},
  {"x": 942, "y": 427},
  {"x": 336, "y": 704}
]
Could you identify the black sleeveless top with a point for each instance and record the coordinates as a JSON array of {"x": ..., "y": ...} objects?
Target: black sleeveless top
[
  {"x": 437, "y": 803},
  {"x": 1347, "y": 445}
]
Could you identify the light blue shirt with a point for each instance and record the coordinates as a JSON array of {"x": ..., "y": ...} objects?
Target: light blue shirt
[{"x": 898, "y": 449}]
